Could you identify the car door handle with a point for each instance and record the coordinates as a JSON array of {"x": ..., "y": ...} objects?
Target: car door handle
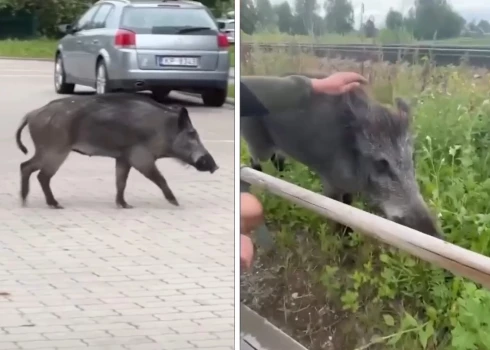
[
  {"x": 95, "y": 41},
  {"x": 79, "y": 41}
]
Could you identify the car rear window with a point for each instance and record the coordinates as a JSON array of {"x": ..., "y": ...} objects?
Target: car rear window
[{"x": 166, "y": 20}]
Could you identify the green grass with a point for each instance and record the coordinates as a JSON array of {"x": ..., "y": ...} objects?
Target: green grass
[
  {"x": 42, "y": 48},
  {"x": 45, "y": 48},
  {"x": 411, "y": 301},
  {"x": 232, "y": 55},
  {"x": 231, "y": 90}
]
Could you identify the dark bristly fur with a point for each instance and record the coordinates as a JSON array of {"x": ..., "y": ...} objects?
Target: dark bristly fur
[
  {"x": 355, "y": 145},
  {"x": 131, "y": 128}
]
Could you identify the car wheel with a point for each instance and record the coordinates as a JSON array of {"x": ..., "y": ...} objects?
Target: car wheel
[
  {"x": 160, "y": 94},
  {"x": 215, "y": 97},
  {"x": 60, "y": 84},
  {"x": 102, "y": 82}
]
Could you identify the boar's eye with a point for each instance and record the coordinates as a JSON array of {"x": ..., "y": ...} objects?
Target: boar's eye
[{"x": 382, "y": 166}]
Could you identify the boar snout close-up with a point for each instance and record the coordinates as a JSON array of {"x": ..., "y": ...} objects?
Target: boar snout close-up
[
  {"x": 206, "y": 163},
  {"x": 415, "y": 215}
]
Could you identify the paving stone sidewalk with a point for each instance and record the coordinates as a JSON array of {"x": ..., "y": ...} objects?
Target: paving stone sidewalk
[{"x": 95, "y": 277}]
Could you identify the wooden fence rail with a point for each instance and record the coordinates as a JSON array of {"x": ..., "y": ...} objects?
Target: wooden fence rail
[{"x": 458, "y": 260}]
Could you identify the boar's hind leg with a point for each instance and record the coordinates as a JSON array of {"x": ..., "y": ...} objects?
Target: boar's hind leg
[
  {"x": 26, "y": 170},
  {"x": 142, "y": 160},
  {"x": 122, "y": 173},
  {"x": 50, "y": 164}
]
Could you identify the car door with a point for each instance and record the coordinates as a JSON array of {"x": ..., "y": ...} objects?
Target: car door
[
  {"x": 81, "y": 27},
  {"x": 93, "y": 41}
]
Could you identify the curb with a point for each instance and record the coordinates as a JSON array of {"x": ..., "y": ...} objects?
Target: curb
[
  {"x": 27, "y": 59},
  {"x": 229, "y": 100},
  {"x": 257, "y": 333}
]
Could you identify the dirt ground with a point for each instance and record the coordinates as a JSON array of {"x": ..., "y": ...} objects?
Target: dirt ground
[{"x": 283, "y": 291}]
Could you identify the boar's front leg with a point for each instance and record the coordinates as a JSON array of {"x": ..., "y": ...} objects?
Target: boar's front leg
[
  {"x": 345, "y": 198},
  {"x": 122, "y": 172},
  {"x": 143, "y": 160}
]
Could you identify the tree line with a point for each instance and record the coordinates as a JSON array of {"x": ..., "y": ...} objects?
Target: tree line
[
  {"x": 426, "y": 20},
  {"x": 51, "y": 13}
]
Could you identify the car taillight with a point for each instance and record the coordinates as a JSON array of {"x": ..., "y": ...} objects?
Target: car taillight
[
  {"x": 223, "y": 41},
  {"x": 125, "y": 39}
]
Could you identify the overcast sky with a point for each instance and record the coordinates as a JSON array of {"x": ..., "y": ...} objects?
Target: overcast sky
[{"x": 469, "y": 9}]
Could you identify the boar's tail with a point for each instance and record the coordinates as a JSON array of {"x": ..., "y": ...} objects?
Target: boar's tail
[{"x": 18, "y": 135}]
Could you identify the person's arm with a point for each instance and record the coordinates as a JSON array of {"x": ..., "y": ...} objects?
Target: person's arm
[{"x": 261, "y": 95}]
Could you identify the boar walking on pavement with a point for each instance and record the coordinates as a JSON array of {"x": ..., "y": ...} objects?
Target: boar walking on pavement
[
  {"x": 355, "y": 145},
  {"x": 131, "y": 128}
]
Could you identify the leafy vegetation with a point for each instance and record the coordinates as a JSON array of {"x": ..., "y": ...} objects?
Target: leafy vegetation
[{"x": 334, "y": 293}]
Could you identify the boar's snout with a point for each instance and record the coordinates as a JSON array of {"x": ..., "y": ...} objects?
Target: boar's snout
[
  {"x": 206, "y": 163},
  {"x": 418, "y": 217}
]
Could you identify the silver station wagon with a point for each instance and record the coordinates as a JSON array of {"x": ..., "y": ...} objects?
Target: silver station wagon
[{"x": 145, "y": 45}]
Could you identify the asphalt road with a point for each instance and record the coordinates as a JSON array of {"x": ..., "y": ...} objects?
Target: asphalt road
[{"x": 95, "y": 277}]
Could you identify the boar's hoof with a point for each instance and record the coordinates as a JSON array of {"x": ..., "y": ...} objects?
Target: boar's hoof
[
  {"x": 173, "y": 201},
  {"x": 55, "y": 206},
  {"x": 341, "y": 230},
  {"x": 256, "y": 166},
  {"x": 124, "y": 206}
]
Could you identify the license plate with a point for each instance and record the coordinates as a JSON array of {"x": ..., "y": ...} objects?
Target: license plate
[{"x": 179, "y": 61}]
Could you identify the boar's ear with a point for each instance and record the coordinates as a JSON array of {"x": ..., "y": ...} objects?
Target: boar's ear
[
  {"x": 403, "y": 109},
  {"x": 183, "y": 120}
]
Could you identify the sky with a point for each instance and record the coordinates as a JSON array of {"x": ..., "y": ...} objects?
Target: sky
[{"x": 469, "y": 9}]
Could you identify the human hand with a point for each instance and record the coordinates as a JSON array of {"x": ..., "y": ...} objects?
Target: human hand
[
  {"x": 338, "y": 83},
  {"x": 246, "y": 252},
  {"x": 251, "y": 216}
]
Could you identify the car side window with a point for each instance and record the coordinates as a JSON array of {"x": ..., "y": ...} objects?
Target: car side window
[
  {"x": 86, "y": 20},
  {"x": 101, "y": 16}
]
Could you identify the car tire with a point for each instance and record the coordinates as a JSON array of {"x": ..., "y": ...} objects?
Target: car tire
[
  {"x": 60, "y": 84},
  {"x": 160, "y": 94},
  {"x": 102, "y": 81},
  {"x": 214, "y": 97}
]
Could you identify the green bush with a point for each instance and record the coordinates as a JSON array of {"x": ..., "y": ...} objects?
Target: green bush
[{"x": 398, "y": 300}]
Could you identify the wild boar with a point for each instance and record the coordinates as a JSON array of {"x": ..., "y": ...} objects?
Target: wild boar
[
  {"x": 355, "y": 145},
  {"x": 131, "y": 128}
]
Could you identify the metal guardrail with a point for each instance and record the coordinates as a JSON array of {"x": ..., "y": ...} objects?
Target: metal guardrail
[
  {"x": 478, "y": 56},
  {"x": 451, "y": 257}
]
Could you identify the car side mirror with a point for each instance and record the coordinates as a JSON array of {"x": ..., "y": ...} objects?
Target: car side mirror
[{"x": 67, "y": 28}]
